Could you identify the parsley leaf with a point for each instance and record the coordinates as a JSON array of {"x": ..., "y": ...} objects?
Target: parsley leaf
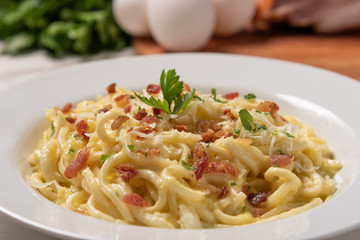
[
  {"x": 288, "y": 134},
  {"x": 246, "y": 119},
  {"x": 189, "y": 167},
  {"x": 275, "y": 165},
  {"x": 104, "y": 157},
  {"x": 249, "y": 96},
  {"x": 243, "y": 209},
  {"x": 71, "y": 150},
  {"x": 213, "y": 91},
  {"x": 282, "y": 152},
  {"x": 258, "y": 127},
  {"x": 131, "y": 147},
  {"x": 233, "y": 184},
  {"x": 171, "y": 89},
  {"x": 52, "y": 128},
  {"x": 199, "y": 98}
]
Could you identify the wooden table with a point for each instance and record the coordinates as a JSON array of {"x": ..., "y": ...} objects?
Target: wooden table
[{"x": 339, "y": 53}]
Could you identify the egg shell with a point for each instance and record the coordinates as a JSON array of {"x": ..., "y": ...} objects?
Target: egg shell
[
  {"x": 130, "y": 15},
  {"x": 232, "y": 16},
  {"x": 181, "y": 25}
]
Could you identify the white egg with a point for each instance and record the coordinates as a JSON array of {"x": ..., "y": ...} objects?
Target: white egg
[
  {"x": 181, "y": 25},
  {"x": 131, "y": 16},
  {"x": 233, "y": 15}
]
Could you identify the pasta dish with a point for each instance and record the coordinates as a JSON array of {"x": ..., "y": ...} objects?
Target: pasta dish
[{"x": 172, "y": 157}]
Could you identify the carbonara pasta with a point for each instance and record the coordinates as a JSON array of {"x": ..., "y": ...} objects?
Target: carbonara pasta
[{"x": 172, "y": 157}]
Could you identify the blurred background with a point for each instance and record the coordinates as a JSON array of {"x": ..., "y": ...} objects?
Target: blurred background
[{"x": 39, "y": 36}]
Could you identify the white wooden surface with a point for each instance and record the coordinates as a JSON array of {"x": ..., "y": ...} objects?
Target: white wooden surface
[{"x": 21, "y": 68}]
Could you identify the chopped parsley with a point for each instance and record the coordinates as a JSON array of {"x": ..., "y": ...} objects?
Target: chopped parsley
[
  {"x": 249, "y": 96},
  {"x": 52, "y": 128},
  {"x": 243, "y": 209},
  {"x": 131, "y": 148},
  {"x": 159, "y": 117},
  {"x": 117, "y": 194},
  {"x": 237, "y": 132},
  {"x": 104, "y": 157},
  {"x": 199, "y": 98},
  {"x": 207, "y": 145},
  {"x": 171, "y": 89},
  {"x": 71, "y": 150},
  {"x": 213, "y": 91},
  {"x": 246, "y": 119},
  {"x": 275, "y": 133},
  {"x": 76, "y": 136},
  {"x": 248, "y": 188},
  {"x": 288, "y": 134},
  {"x": 189, "y": 167},
  {"x": 233, "y": 184},
  {"x": 266, "y": 113},
  {"x": 258, "y": 127},
  {"x": 275, "y": 165},
  {"x": 282, "y": 152}
]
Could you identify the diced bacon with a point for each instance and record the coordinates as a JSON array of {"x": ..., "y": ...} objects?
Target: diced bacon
[
  {"x": 224, "y": 166},
  {"x": 228, "y": 113},
  {"x": 140, "y": 114},
  {"x": 156, "y": 111},
  {"x": 78, "y": 164},
  {"x": 70, "y": 120},
  {"x": 231, "y": 96},
  {"x": 83, "y": 212},
  {"x": 186, "y": 87},
  {"x": 208, "y": 136},
  {"x": 268, "y": 106},
  {"x": 127, "y": 109},
  {"x": 201, "y": 161},
  {"x": 135, "y": 200},
  {"x": 284, "y": 119},
  {"x": 203, "y": 125},
  {"x": 118, "y": 122},
  {"x": 127, "y": 171},
  {"x": 111, "y": 88},
  {"x": 81, "y": 128},
  {"x": 183, "y": 120},
  {"x": 105, "y": 109},
  {"x": 282, "y": 160},
  {"x": 224, "y": 192},
  {"x": 145, "y": 129},
  {"x": 257, "y": 212},
  {"x": 255, "y": 199},
  {"x": 153, "y": 88},
  {"x": 67, "y": 108},
  {"x": 181, "y": 128},
  {"x": 150, "y": 119},
  {"x": 146, "y": 151},
  {"x": 122, "y": 100}
]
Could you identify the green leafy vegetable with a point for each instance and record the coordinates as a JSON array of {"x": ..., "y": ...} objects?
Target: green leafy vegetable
[
  {"x": 213, "y": 91},
  {"x": 71, "y": 150},
  {"x": 288, "y": 134},
  {"x": 131, "y": 147},
  {"x": 282, "y": 152},
  {"x": 233, "y": 184},
  {"x": 246, "y": 119},
  {"x": 189, "y": 167},
  {"x": 171, "y": 89},
  {"x": 66, "y": 26},
  {"x": 52, "y": 128},
  {"x": 104, "y": 157},
  {"x": 258, "y": 127},
  {"x": 249, "y": 96}
]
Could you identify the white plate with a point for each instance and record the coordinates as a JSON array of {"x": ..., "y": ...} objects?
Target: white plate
[{"x": 325, "y": 100}]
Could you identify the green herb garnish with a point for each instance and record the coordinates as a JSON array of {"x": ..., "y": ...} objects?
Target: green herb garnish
[
  {"x": 249, "y": 96},
  {"x": 258, "y": 127},
  {"x": 76, "y": 136},
  {"x": 131, "y": 147},
  {"x": 246, "y": 119},
  {"x": 237, "y": 132},
  {"x": 248, "y": 188},
  {"x": 288, "y": 134},
  {"x": 275, "y": 165},
  {"x": 282, "y": 152},
  {"x": 171, "y": 89},
  {"x": 104, "y": 157},
  {"x": 117, "y": 194},
  {"x": 233, "y": 184},
  {"x": 52, "y": 128},
  {"x": 71, "y": 150},
  {"x": 213, "y": 91},
  {"x": 243, "y": 209},
  {"x": 189, "y": 167},
  {"x": 207, "y": 145},
  {"x": 199, "y": 98}
]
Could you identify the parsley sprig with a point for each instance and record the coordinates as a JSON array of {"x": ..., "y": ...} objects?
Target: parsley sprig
[
  {"x": 171, "y": 89},
  {"x": 247, "y": 121}
]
